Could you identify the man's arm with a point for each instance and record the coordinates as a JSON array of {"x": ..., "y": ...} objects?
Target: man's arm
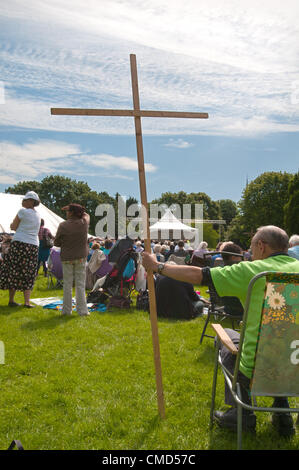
[{"x": 191, "y": 274}]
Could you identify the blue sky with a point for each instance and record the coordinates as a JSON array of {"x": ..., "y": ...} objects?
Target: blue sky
[{"x": 236, "y": 60}]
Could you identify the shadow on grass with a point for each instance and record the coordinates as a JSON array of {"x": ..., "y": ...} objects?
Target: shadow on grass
[
  {"x": 153, "y": 424},
  {"x": 5, "y": 310},
  {"x": 265, "y": 437},
  {"x": 48, "y": 323}
]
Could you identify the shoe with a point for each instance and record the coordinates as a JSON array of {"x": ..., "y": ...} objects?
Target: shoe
[
  {"x": 13, "y": 304},
  {"x": 283, "y": 422},
  {"x": 228, "y": 420},
  {"x": 29, "y": 306}
]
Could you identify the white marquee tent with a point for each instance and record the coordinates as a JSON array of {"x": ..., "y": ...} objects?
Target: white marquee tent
[
  {"x": 10, "y": 204},
  {"x": 171, "y": 228}
]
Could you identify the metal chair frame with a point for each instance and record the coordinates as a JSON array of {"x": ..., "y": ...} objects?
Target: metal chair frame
[{"x": 231, "y": 379}]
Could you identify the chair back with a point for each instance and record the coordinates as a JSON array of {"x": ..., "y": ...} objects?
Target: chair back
[
  {"x": 215, "y": 300},
  {"x": 276, "y": 365},
  {"x": 56, "y": 264},
  {"x": 200, "y": 262},
  {"x": 104, "y": 269},
  {"x": 276, "y": 370},
  {"x": 176, "y": 259}
]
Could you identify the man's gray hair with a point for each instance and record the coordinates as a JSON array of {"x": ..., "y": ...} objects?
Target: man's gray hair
[
  {"x": 294, "y": 240},
  {"x": 275, "y": 237}
]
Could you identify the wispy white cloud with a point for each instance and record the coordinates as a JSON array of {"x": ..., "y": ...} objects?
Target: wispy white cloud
[
  {"x": 235, "y": 59},
  {"x": 178, "y": 143},
  {"x": 35, "y": 159},
  {"x": 110, "y": 161}
]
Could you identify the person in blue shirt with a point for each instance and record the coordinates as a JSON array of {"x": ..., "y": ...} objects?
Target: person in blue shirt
[
  {"x": 107, "y": 246},
  {"x": 294, "y": 246}
]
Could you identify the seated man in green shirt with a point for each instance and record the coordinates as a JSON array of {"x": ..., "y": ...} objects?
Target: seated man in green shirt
[{"x": 269, "y": 248}]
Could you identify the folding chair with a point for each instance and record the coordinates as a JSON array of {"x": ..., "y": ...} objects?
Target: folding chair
[
  {"x": 55, "y": 269},
  {"x": 218, "y": 304},
  {"x": 275, "y": 372},
  {"x": 216, "y": 309},
  {"x": 176, "y": 259},
  {"x": 200, "y": 262}
]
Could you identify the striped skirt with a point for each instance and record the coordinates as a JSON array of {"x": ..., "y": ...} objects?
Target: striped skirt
[{"x": 18, "y": 269}]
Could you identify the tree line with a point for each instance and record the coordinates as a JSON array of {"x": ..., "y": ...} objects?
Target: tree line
[{"x": 270, "y": 199}]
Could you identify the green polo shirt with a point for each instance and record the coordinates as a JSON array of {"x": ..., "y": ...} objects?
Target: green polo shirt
[{"x": 234, "y": 281}]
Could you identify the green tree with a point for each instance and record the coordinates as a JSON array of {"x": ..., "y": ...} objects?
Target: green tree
[
  {"x": 263, "y": 200},
  {"x": 291, "y": 208},
  {"x": 228, "y": 210},
  {"x": 237, "y": 232},
  {"x": 210, "y": 235},
  {"x": 23, "y": 187},
  {"x": 210, "y": 208},
  {"x": 262, "y": 203}
]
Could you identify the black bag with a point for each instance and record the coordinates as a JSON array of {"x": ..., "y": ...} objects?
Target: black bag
[
  {"x": 119, "y": 301},
  {"x": 96, "y": 297},
  {"x": 142, "y": 301}
]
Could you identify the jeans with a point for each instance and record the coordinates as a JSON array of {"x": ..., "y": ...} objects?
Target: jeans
[{"x": 74, "y": 270}]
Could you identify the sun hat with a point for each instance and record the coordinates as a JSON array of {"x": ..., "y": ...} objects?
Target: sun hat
[
  {"x": 77, "y": 209},
  {"x": 31, "y": 195}
]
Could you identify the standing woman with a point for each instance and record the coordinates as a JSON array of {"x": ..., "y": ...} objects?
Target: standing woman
[
  {"x": 44, "y": 250},
  {"x": 18, "y": 270},
  {"x": 72, "y": 236}
]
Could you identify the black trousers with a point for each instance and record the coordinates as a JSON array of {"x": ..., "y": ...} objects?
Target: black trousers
[{"x": 228, "y": 360}]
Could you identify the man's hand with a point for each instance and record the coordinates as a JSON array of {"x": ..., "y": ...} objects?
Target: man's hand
[
  {"x": 191, "y": 274},
  {"x": 149, "y": 261}
]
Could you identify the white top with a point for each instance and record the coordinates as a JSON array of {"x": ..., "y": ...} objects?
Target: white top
[{"x": 27, "y": 231}]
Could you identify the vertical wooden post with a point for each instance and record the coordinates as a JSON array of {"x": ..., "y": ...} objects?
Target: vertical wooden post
[
  {"x": 147, "y": 241},
  {"x": 137, "y": 113}
]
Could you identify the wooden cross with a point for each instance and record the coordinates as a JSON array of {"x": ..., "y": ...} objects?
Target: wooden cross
[{"x": 137, "y": 113}]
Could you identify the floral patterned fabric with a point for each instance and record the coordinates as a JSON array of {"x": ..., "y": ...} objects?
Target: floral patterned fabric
[
  {"x": 277, "y": 357},
  {"x": 18, "y": 269}
]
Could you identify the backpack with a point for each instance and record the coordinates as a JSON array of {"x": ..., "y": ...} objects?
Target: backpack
[
  {"x": 129, "y": 269},
  {"x": 127, "y": 264}
]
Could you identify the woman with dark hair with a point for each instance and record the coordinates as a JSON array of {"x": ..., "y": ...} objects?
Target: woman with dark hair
[
  {"x": 44, "y": 250},
  {"x": 18, "y": 270},
  {"x": 108, "y": 244},
  {"x": 72, "y": 236}
]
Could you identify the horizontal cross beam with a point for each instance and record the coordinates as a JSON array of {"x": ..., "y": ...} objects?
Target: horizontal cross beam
[{"x": 127, "y": 112}]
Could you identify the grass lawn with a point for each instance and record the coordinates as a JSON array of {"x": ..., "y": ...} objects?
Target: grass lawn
[{"x": 89, "y": 383}]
